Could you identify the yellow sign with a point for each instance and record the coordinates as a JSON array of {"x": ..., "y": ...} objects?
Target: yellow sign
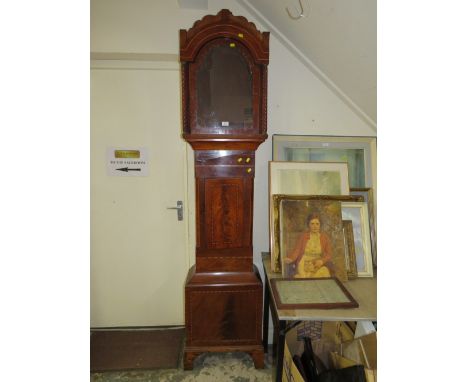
[{"x": 127, "y": 153}]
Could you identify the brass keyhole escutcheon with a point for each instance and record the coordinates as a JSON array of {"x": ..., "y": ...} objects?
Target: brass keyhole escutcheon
[
  {"x": 240, "y": 160},
  {"x": 249, "y": 170}
]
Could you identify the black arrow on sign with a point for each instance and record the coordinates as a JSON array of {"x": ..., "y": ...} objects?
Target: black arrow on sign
[{"x": 126, "y": 169}]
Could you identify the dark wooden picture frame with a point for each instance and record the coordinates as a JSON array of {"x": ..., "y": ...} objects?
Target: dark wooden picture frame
[{"x": 351, "y": 303}]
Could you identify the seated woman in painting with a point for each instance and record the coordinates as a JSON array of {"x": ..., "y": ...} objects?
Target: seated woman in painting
[{"x": 312, "y": 253}]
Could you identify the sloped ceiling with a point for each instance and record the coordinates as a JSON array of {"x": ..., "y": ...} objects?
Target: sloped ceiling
[{"x": 337, "y": 40}]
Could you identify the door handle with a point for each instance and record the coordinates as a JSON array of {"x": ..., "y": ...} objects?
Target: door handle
[{"x": 180, "y": 210}]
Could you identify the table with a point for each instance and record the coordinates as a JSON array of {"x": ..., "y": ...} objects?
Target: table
[{"x": 364, "y": 291}]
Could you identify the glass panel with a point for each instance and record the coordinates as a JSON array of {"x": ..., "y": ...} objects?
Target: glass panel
[
  {"x": 224, "y": 91},
  {"x": 354, "y": 157},
  {"x": 325, "y": 291}
]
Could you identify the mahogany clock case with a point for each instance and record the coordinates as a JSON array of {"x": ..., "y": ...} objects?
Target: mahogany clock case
[{"x": 224, "y": 62}]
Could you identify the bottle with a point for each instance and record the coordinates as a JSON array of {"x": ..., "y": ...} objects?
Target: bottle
[{"x": 308, "y": 361}]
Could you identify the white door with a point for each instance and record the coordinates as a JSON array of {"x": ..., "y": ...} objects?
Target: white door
[{"x": 139, "y": 248}]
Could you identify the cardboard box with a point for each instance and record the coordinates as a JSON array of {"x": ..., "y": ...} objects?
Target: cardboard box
[
  {"x": 290, "y": 371},
  {"x": 334, "y": 347},
  {"x": 323, "y": 337},
  {"x": 360, "y": 351}
]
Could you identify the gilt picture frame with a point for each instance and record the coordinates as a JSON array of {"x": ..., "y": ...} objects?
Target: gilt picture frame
[
  {"x": 304, "y": 209},
  {"x": 300, "y": 207},
  {"x": 357, "y": 212},
  {"x": 303, "y": 178},
  {"x": 350, "y": 251}
]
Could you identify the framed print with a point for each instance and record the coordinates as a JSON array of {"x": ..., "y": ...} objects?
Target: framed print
[
  {"x": 321, "y": 293},
  {"x": 350, "y": 254},
  {"x": 295, "y": 178},
  {"x": 358, "y": 214},
  {"x": 305, "y": 204},
  {"x": 368, "y": 195},
  {"x": 311, "y": 242}
]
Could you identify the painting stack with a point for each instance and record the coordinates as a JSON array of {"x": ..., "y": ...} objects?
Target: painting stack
[{"x": 323, "y": 206}]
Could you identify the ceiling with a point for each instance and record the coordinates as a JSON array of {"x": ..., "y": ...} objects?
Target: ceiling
[{"x": 336, "y": 39}]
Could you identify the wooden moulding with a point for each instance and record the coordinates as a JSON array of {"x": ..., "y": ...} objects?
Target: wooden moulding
[
  {"x": 196, "y": 279},
  {"x": 222, "y": 171},
  {"x": 224, "y": 264},
  {"x": 224, "y": 260},
  {"x": 224, "y": 25},
  {"x": 218, "y": 142},
  {"x": 225, "y": 157}
]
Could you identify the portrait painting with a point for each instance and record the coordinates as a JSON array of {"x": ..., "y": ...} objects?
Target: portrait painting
[
  {"x": 357, "y": 212},
  {"x": 276, "y": 262},
  {"x": 296, "y": 178},
  {"x": 311, "y": 241}
]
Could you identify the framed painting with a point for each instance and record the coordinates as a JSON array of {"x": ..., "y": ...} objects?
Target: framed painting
[
  {"x": 357, "y": 212},
  {"x": 368, "y": 195},
  {"x": 359, "y": 152},
  {"x": 300, "y": 178},
  {"x": 350, "y": 254},
  {"x": 296, "y": 178},
  {"x": 310, "y": 237},
  {"x": 304, "y": 206}
]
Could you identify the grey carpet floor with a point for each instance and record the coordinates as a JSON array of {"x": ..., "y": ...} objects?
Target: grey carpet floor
[{"x": 209, "y": 367}]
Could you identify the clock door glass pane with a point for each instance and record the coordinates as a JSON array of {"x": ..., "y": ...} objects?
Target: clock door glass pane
[{"x": 224, "y": 91}]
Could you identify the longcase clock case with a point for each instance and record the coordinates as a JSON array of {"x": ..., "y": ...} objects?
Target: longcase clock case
[{"x": 224, "y": 62}]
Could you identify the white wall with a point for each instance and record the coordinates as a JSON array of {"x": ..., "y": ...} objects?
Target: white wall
[{"x": 298, "y": 103}]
